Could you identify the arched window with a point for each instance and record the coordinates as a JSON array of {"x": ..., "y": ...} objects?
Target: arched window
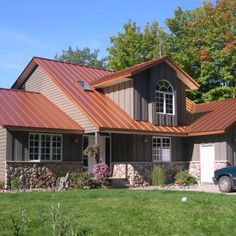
[{"x": 164, "y": 98}]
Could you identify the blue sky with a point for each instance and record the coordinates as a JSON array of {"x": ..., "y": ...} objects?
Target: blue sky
[{"x": 43, "y": 28}]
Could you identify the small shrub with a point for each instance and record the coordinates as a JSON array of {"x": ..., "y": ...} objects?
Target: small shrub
[
  {"x": 73, "y": 179},
  {"x": 85, "y": 181},
  {"x": 2, "y": 184},
  {"x": 15, "y": 183},
  {"x": 184, "y": 178},
  {"x": 158, "y": 176}
]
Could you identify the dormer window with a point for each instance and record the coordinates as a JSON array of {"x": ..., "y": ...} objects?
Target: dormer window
[
  {"x": 164, "y": 98},
  {"x": 84, "y": 85}
]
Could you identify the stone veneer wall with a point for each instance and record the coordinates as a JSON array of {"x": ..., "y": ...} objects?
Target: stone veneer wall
[
  {"x": 140, "y": 173},
  {"x": 195, "y": 168},
  {"x": 39, "y": 175}
]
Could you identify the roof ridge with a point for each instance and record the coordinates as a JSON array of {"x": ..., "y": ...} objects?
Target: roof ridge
[
  {"x": 19, "y": 90},
  {"x": 71, "y": 63}
]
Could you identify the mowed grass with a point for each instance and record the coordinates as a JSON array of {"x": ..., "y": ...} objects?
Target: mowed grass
[{"x": 127, "y": 212}]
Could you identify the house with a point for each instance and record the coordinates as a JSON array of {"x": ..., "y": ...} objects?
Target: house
[{"x": 140, "y": 117}]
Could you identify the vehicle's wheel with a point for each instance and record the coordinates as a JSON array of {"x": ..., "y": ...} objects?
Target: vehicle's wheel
[{"x": 225, "y": 184}]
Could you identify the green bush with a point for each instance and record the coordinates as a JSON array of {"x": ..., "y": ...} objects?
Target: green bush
[
  {"x": 184, "y": 178},
  {"x": 85, "y": 181},
  {"x": 2, "y": 184},
  {"x": 158, "y": 176},
  {"x": 73, "y": 179},
  {"x": 15, "y": 183}
]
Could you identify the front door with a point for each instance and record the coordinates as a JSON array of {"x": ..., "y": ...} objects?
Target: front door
[{"x": 207, "y": 160}]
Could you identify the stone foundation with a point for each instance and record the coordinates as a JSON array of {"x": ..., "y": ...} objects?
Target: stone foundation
[
  {"x": 38, "y": 175},
  {"x": 140, "y": 173},
  {"x": 195, "y": 168}
]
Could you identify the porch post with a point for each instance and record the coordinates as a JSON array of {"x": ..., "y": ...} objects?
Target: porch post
[{"x": 96, "y": 137}]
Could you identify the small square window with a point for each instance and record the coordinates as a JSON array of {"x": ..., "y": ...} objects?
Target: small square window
[{"x": 84, "y": 85}]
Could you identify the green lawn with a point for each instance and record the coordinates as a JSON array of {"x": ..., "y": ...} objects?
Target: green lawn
[{"x": 126, "y": 212}]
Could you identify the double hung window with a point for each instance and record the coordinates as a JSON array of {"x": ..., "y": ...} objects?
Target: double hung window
[
  {"x": 161, "y": 149},
  {"x": 45, "y": 147}
]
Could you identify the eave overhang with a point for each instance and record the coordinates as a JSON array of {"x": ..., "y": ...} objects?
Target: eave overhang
[{"x": 126, "y": 74}]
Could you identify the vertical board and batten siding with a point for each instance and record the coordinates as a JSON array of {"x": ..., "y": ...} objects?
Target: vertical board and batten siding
[
  {"x": 144, "y": 96},
  {"x": 72, "y": 147},
  {"x": 193, "y": 147},
  {"x": 17, "y": 146},
  {"x": 164, "y": 72},
  {"x": 141, "y": 95},
  {"x": 122, "y": 95},
  {"x": 3, "y": 153},
  {"x": 231, "y": 145},
  {"x": 39, "y": 82},
  {"x": 132, "y": 148}
]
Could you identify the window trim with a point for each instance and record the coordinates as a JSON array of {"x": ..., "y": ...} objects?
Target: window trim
[
  {"x": 40, "y": 146},
  {"x": 161, "y": 159},
  {"x": 164, "y": 98}
]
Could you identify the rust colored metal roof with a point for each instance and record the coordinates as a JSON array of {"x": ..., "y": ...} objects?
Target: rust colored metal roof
[
  {"x": 120, "y": 75},
  {"x": 19, "y": 108},
  {"x": 206, "y": 118},
  {"x": 102, "y": 112},
  {"x": 88, "y": 74},
  {"x": 212, "y": 117}
]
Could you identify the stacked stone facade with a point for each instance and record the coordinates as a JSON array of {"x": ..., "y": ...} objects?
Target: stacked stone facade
[
  {"x": 140, "y": 173},
  {"x": 195, "y": 168},
  {"x": 38, "y": 175}
]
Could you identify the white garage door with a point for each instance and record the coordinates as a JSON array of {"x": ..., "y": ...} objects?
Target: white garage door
[{"x": 207, "y": 156}]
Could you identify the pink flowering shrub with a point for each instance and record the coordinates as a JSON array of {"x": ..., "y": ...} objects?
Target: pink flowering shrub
[{"x": 101, "y": 171}]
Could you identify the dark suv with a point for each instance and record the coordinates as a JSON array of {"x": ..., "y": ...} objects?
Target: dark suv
[{"x": 225, "y": 178}]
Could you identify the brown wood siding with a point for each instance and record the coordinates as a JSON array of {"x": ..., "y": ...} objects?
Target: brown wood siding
[
  {"x": 128, "y": 148},
  {"x": 132, "y": 148},
  {"x": 231, "y": 145},
  {"x": 3, "y": 153},
  {"x": 141, "y": 92},
  {"x": 122, "y": 95},
  {"x": 17, "y": 146},
  {"x": 39, "y": 82},
  {"x": 181, "y": 103},
  {"x": 72, "y": 147},
  {"x": 164, "y": 72},
  {"x": 193, "y": 147},
  {"x": 144, "y": 96}
]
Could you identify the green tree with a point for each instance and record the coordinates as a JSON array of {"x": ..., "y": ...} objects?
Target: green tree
[
  {"x": 127, "y": 47},
  {"x": 82, "y": 56},
  {"x": 135, "y": 46},
  {"x": 202, "y": 42}
]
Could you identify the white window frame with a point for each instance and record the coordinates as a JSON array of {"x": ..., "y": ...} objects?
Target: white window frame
[
  {"x": 40, "y": 147},
  {"x": 155, "y": 155},
  {"x": 164, "y": 98}
]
